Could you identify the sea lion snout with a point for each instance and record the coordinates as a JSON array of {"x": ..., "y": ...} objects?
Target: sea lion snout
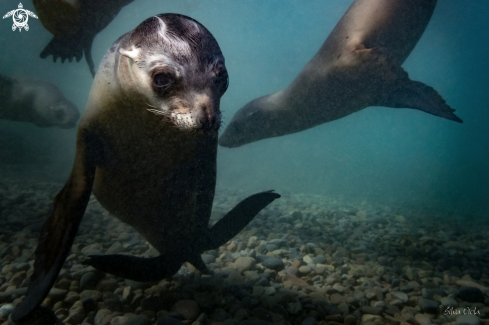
[
  {"x": 65, "y": 114},
  {"x": 207, "y": 114}
]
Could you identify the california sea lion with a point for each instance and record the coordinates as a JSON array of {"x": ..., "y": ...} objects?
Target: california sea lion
[
  {"x": 147, "y": 144},
  {"x": 74, "y": 26},
  {"x": 36, "y": 101},
  {"x": 359, "y": 65}
]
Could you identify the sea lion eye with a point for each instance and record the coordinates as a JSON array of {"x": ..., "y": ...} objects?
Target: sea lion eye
[{"x": 162, "y": 80}]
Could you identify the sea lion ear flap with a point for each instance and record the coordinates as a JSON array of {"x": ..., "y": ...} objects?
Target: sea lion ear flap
[{"x": 132, "y": 53}]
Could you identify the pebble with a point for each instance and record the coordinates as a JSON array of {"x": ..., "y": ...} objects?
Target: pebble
[
  {"x": 467, "y": 320},
  {"x": 244, "y": 263},
  {"x": 428, "y": 306},
  {"x": 188, "y": 308},
  {"x": 273, "y": 263},
  {"x": 471, "y": 294}
]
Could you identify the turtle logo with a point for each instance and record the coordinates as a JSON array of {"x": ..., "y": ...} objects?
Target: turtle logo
[{"x": 20, "y": 17}]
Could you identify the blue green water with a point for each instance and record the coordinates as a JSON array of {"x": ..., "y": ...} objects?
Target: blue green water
[{"x": 397, "y": 156}]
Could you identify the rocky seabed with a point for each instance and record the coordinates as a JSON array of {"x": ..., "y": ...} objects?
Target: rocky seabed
[{"x": 305, "y": 259}]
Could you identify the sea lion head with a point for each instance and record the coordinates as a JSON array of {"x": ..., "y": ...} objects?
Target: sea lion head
[
  {"x": 52, "y": 108},
  {"x": 173, "y": 67}
]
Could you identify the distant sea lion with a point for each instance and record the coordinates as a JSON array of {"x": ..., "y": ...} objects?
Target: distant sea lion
[
  {"x": 74, "y": 26},
  {"x": 359, "y": 65},
  {"x": 147, "y": 144},
  {"x": 36, "y": 101}
]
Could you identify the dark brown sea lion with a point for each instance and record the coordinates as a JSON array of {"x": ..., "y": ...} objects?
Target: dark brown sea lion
[
  {"x": 36, "y": 101},
  {"x": 74, "y": 26},
  {"x": 147, "y": 145},
  {"x": 359, "y": 65}
]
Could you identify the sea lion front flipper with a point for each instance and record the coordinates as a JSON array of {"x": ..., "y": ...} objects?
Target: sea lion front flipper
[
  {"x": 236, "y": 219},
  {"x": 87, "y": 50},
  {"x": 59, "y": 230},
  {"x": 392, "y": 86}
]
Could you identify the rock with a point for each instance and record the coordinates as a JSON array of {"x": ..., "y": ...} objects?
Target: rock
[
  {"x": 294, "y": 308},
  {"x": 119, "y": 320},
  {"x": 471, "y": 294},
  {"x": 371, "y": 310},
  {"x": 153, "y": 303},
  {"x": 423, "y": 319},
  {"x": 116, "y": 248},
  {"x": 305, "y": 270},
  {"x": 448, "y": 302},
  {"x": 6, "y": 310},
  {"x": 208, "y": 258},
  {"x": 467, "y": 320},
  {"x": 339, "y": 288},
  {"x": 94, "y": 294},
  {"x": 219, "y": 315},
  {"x": 372, "y": 319},
  {"x": 57, "y": 294},
  {"x": 350, "y": 320},
  {"x": 244, "y": 263},
  {"x": 76, "y": 314},
  {"x": 188, "y": 308},
  {"x": 204, "y": 300},
  {"x": 113, "y": 304},
  {"x": 138, "y": 320},
  {"x": 294, "y": 281},
  {"x": 169, "y": 321},
  {"x": 273, "y": 263},
  {"x": 92, "y": 249},
  {"x": 88, "y": 281},
  {"x": 401, "y": 296},
  {"x": 100, "y": 316},
  {"x": 309, "y": 321},
  {"x": 428, "y": 306},
  {"x": 108, "y": 284},
  {"x": 89, "y": 305},
  {"x": 462, "y": 283}
]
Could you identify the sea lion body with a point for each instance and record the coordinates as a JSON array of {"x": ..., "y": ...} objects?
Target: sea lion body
[
  {"x": 359, "y": 65},
  {"x": 147, "y": 145},
  {"x": 166, "y": 162},
  {"x": 36, "y": 101}
]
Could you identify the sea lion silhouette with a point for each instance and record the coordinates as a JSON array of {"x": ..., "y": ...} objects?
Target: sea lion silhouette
[{"x": 75, "y": 25}]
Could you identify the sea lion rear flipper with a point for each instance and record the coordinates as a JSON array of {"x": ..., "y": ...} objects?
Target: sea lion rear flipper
[
  {"x": 393, "y": 88},
  {"x": 59, "y": 230},
  {"x": 417, "y": 95},
  {"x": 236, "y": 219},
  {"x": 65, "y": 48},
  {"x": 136, "y": 268}
]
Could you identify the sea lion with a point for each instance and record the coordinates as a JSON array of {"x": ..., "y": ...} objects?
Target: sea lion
[
  {"x": 74, "y": 26},
  {"x": 359, "y": 65},
  {"x": 36, "y": 101},
  {"x": 147, "y": 144}
]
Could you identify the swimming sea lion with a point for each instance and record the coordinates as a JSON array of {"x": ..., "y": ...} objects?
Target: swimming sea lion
[
  {"x": 359, "y": 65},
  {"x": 74, "y": 26},
  {"x": 36, "y": 101},
  {"x": 147, "y": 144}
]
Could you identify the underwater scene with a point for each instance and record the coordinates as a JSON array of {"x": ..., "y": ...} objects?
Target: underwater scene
[{"x": 227, "y": 162}]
